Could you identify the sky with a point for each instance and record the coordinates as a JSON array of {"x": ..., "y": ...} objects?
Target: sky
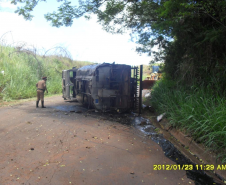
[{"x": 85, "y": 39}]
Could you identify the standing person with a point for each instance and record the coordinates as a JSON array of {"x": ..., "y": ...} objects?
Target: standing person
[{"x": 41, "y": 87}]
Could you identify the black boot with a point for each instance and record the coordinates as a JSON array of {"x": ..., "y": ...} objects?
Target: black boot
[
  {"x": 37, "y": 104},
  {"x": 43, "y": 104}
]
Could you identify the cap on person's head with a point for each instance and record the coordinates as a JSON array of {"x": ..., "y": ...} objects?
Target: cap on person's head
[{"x": 44, "y": 78}]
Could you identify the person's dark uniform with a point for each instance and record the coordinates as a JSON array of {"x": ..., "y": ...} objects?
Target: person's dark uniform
[{"x": 41, "y": 87}]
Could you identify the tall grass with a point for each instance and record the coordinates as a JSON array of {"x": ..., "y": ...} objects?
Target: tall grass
[
  {"x": 23, "y": 70},
  {"x": 199, "y": 112}
]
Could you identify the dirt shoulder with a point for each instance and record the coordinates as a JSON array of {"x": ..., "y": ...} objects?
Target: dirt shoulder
[{"x": 16, "y": 102}]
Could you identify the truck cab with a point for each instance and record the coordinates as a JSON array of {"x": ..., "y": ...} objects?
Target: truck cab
[{"x": 68, "y": 79}]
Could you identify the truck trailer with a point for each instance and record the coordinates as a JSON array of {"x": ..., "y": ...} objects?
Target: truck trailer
[{"x": 104, "y": 87}]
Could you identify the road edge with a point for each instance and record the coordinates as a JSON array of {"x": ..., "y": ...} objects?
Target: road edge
[{"x": 197, "y": 153}]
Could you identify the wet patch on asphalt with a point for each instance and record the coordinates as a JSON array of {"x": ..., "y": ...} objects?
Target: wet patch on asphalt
[{"x": 144, "y": 125}]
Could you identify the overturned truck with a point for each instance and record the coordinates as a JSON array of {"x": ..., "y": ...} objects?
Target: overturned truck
[{"x": 105, "y": 87}]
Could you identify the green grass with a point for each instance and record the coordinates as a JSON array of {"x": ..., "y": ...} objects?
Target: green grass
[
  {"x": 197, "y": 111},
  {"x": 22, "y": 71}
]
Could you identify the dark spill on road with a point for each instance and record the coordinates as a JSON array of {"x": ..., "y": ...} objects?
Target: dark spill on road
[
  {"x": 69, "y": 108},
  {"x": 199, "y": 176},
  {"x": 144, "y": 125}
]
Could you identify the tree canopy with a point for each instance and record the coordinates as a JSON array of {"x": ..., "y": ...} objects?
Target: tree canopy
[{"x": 190, "y": 34}]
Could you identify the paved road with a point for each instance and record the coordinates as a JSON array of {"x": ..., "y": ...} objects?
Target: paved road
[{"x": 58, "y": 147}]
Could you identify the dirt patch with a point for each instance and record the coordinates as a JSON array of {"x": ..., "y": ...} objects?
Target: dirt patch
[{"x": 17, "y": 102}]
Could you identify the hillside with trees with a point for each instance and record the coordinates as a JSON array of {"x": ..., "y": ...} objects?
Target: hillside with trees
[{"x": 22, "y": 68}]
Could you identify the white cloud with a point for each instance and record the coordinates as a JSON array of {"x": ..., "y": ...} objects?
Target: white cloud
[
  {"x": 85, "y": 40},
  {"x": 6, "y": 4}
]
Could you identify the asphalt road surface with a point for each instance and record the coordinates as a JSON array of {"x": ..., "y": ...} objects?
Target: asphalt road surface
[{"x": 67, "y": 144}]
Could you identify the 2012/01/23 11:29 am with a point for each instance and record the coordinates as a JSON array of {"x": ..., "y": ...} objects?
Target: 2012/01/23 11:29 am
[{"x": 188, "y": 167}]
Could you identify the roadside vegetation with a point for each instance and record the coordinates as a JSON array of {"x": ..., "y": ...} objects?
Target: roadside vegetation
[
  {"x": 20, "y": 70},
  {"x": 198, "y": 111}
]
